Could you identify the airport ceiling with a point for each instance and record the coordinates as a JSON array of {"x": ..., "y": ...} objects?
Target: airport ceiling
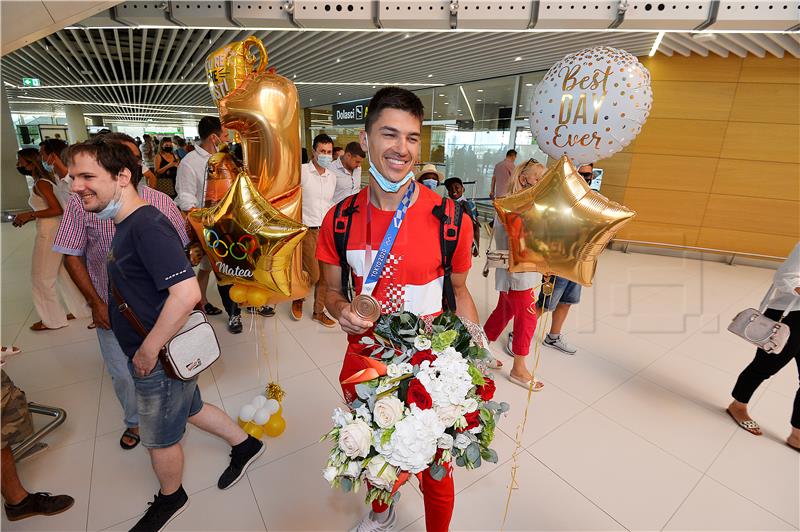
[{"x": 144, "y": 61}]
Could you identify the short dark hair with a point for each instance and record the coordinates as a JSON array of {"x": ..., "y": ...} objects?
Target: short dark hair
[
  {"x": 53, "y": 146},
  {"x": 509, "y": 153},
  {"x": 208, "y": 126},
  {"x": 337, "y": 148},
  {"x": 393, "y": 98},
  {"x": 354, "y": 148},
  {"x": 452, "y": 181},
  {"x": 322, "y": 138},
  {"x": 32, "y": 156},
  {"x": 112, "y": 155}
]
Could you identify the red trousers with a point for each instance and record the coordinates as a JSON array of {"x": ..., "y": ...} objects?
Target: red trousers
[
  {"x": 516, "y": 304},
  {"x": 438, "y": 495}
]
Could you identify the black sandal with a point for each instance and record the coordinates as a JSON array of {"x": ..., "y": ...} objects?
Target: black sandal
[{"x": 129, "y": 434}]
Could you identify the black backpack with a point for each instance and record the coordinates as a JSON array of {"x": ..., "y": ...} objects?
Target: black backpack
[{"x": 449, "y": 214}]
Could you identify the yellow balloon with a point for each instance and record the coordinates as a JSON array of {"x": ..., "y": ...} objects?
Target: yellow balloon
[
  {"x": 256, "y": 431},
  {"x": 239, "y": 293},
  {"x": 275, "y": 426},
  {"x": 560, "y": 226},
  {"x": 256, "y": 297},
  {"x": 240, "y": 422}
]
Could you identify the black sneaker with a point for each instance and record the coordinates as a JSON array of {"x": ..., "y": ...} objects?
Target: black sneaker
[
  {"x": 235, "y": 324},
  {"x": 265, "y": 311},
  {"x": 39, "y": 504},
  {"x": 242, "y": 456},
  {"x": 211, "y": 310},
  {"x": 163, "y": 509}
]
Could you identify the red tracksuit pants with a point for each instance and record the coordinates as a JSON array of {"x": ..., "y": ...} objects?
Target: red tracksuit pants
[{"x": 516, "y": 304}]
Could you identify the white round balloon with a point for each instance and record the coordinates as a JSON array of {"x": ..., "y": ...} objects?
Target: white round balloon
[
  {"x": 261, "y": 416},
  {"x": 591, "y": 104},
  {"x": 247, "y": 412},
  {"x": 272, "y": 406},
  {"x": 259, "y": 401}
]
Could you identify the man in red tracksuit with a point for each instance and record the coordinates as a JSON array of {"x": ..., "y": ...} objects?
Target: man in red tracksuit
[{"x": 412, "y": 278}]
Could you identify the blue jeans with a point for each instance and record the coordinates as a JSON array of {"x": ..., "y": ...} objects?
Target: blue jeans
[
  {"x": 165, "y": 405},
  {"x": 564, "y": 291},
  {"x": 117, "y": 366}
]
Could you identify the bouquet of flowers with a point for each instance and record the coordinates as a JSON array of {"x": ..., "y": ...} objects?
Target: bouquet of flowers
[{"x": 424, "y": 399}]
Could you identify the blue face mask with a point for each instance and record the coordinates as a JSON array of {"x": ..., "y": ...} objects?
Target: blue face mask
[
  {"x": 385, "y": 184},
  {"x": 324, "y": 160},
  {"x": 110, "y": 211},
  {"x": 48, "y": 167},
  {"x": 430, "y": 183}
]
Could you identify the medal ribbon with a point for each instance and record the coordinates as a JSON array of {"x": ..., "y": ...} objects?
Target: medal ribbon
[{"x": 388, "y": 240}]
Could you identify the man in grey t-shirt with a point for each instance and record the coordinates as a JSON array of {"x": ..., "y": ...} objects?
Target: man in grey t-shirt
[{"x": 502, "y": 175}]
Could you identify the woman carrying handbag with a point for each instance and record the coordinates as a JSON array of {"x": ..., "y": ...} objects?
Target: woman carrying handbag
[{"x": 786, "y": 296}]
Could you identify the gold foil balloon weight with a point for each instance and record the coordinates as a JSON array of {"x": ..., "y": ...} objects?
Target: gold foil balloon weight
[
  {"x": 548, "y": 283},
  {"x": 229, "y": 66}
]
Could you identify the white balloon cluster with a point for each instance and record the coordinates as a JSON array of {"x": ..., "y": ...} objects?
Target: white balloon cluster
[{"x": 259, "y": 410}]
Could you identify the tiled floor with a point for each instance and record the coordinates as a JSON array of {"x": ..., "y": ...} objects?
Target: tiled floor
[{"x": 629, "y": 433}]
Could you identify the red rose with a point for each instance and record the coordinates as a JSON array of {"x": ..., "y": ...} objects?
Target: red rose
[
  {"x": 473, "y": 420},
  {"x": 418, "y": 395},
  {"x": 421, "y": 356},
  {"x": 486, "y": 392}
]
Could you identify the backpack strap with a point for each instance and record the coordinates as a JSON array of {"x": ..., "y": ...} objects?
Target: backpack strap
[
  {"x": 449, "y": 214},
  {"x": 342, "y": 220}
]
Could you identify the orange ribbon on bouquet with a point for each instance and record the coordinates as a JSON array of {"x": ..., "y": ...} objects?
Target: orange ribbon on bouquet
[{"x": 369, "y": 369}]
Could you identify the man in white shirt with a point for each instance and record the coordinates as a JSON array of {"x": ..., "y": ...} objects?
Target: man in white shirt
[
  {"x": 318, "y": 183},
  {"x": 348, "y": 171},
  {"x": 190, "y": 186}
]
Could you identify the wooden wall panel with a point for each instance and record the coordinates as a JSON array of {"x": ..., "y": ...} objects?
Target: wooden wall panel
[
  {"x": 746, "y": 242},
  {"x": 694, "y": 138},
  {"x": 672, "y": 172},
  {"x": 615, "y": 169},
  {"x": 679, "y": 68},
  {"x": 771, "y": 216},
  {"x": 679, "y": 235},
  {"x": 777, "y": 103},
  {"x": 693, "y": 100},
  {"x": 770, "y": 70},
  {"x": 762, "y": 142},
  {"x": 757, "y": 179},
  {"x": 667, "y": 206},
  {"x": 613, "y": 192}
]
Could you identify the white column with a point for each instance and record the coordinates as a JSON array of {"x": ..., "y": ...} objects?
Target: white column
[
  {"x": 13, "y": 187},
  {"x": 76, "y": 124}
]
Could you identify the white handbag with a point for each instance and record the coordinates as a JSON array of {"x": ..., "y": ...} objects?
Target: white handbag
[{"x": 759, "y": 330}]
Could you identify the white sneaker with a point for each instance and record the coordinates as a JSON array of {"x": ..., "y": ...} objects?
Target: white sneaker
[
  {"x": 369, "y": 524},
  {"x": 560, "y": 344},
  {"x": 509, "y": 344}
]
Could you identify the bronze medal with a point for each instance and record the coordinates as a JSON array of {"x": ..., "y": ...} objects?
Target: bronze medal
[{"x": 366, "y": 307}]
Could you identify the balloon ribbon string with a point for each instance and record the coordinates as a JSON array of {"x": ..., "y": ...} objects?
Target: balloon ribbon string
[{"x": 538, "y": 339}]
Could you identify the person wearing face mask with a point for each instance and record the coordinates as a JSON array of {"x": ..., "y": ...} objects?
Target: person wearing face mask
[
  {"x": 166, "y": 165},
  {"x": 190, "y": 185},
  {"x": 318, "y": 182},
  {"x": 46, "y": 265},
  {"x": 348, "y": 171},
  {"x": 50, "y": 152},
  {"x": 413, "y": 276},
  {"x": 429, "y": 176}
]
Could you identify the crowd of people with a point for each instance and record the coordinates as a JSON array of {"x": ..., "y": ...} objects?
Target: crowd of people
[{"x": 111, "y": 232}]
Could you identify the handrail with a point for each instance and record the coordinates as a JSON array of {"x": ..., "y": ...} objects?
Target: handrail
[{"x": 734, "y": 254}]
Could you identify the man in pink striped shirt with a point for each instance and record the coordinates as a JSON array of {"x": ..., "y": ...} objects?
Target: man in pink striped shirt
[{"x": 85, "y": 241}]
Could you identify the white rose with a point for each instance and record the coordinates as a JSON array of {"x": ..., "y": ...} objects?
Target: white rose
[
  {"x": 341, "y": 417},
  {"x": 470, "y": 405},
  {"x": 449, "y": 414},
  {"x": 445, "y": 442},
  {"x": 388, "y": 411},
  {"x": 421, "y": 343},
  {"x": 382, "y": 480},
  {"x": 354, "y": 468},
  {"x": 461, "y": 441},
  {"x": 329, "y": 473},
  {"x": 355, "y": 439}
]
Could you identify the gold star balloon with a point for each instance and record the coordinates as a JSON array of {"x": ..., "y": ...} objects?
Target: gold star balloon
[
  {"x": 249, "y": 242},
  {"x": 560, "y": 226}
]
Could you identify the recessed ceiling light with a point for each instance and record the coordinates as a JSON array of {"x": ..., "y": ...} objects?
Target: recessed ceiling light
[
  {"x": 294, "y": 76},
  {"x": 529, "y": 84},
  {"x": 311, "y": 99},
  {"x": 447, "y": 103},
  {"x": 338, "y": 60},
  {"x": 459, "y": 110},
  {"x": 407, "y": 35},
  {"x": 480, "y": 90},
  {"x": 441, "y": 95},
  {"x": 478, "y": 100},
  {"x": 340, "y": 94},
  {"x": 518, "y": 58},
  {"x": 430, "y": 75}
]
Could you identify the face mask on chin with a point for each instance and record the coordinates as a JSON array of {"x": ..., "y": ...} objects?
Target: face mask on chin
[
  {"x": 111, "y": 210},
  {"x": 385, "y": 184}
]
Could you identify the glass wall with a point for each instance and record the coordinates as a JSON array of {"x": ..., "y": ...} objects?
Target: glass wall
[{"x": 467, "y": 128}]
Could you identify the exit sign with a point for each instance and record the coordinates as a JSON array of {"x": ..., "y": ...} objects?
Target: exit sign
[{"x": 31, "y": 82}]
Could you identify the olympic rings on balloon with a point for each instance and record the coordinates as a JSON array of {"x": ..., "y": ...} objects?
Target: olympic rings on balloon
[{"x": 231, "y": 248}]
